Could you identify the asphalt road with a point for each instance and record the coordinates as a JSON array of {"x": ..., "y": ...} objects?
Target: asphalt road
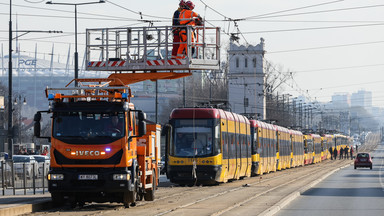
[{"x": 347, "y": 192}]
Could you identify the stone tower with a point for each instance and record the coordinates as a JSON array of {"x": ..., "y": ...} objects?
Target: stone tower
[{"x": 246, "y": 79}]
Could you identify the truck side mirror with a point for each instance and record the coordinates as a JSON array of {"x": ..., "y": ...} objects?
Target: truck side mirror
[
  {"x": 142, "y": 116},
  {"x": 37, "y": 117},
  {"x": 142, "y": 123},
  {"x": 142, "y": 128},
  {"x": 37, "y": 126},
  {"x": 36, "y": 129}
]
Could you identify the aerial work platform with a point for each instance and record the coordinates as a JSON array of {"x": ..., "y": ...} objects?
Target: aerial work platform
[{"x": 149, "y": 49}]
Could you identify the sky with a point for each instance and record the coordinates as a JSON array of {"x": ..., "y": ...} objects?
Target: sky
[{"x": 331, "y": 46}]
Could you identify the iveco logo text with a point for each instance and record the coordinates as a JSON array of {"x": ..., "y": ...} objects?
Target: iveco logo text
[{"x": 87, "y": 153}]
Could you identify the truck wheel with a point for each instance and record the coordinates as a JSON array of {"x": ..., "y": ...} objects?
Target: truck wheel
[
  {"x": 128, "y": 198},
  {"x": 150, "y": 193},
  {"x": 57, "y": 199}
]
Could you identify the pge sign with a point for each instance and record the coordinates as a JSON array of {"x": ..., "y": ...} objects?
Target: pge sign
[{"x": 27, "y": 62}]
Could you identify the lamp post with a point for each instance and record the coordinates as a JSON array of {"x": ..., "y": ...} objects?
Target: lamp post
[
  {"x": 20, "y": 116},
  {"x": 9, "y": 132},
  {"x": 76, "y": 53}
]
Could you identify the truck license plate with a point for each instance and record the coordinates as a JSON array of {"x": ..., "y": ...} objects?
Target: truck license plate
[{"x": 88, "y": 177}]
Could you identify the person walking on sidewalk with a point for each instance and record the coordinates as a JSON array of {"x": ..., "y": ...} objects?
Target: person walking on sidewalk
[
  {"x": 341, "y": 153},
  {"x": 335, "y": 153},
  {"x": 346, "y": 149}
]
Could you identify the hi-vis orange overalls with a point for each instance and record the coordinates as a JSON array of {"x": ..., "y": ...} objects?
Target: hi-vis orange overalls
[{"x": 186, "y": 17}]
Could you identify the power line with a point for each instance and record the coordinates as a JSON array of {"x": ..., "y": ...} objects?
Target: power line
[
  {"x": 326, "y": 47},
  {"x": 83, "y": 18},
  {"x": 293, "y": 9},
  {"x": 314, "y": 28},
  {"x": 137, "y": 12},
  {"x": 59, "y": 10},
  {"x": 322, "y": 11}
]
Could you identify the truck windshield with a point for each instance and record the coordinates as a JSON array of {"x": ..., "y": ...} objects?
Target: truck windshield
[{"x": 88, "y": 125}]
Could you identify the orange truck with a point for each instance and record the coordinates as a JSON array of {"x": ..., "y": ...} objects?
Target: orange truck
[{"x": 102, "y": 148}]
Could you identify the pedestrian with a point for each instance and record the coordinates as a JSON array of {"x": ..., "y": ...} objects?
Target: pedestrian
[
  {"x": 357, "y": 151},
  {"x": 335, "y": 153},
  {"x": 176, "y": 30},
  {"x": 341, "y": 153},
  {"x": 188, "y": 18},
  {"x": 346, "y": 149},
  {"x": 331, "y": 152},
  {"x": 45, "y": 151},
  {"x": 351, "y": 152}
]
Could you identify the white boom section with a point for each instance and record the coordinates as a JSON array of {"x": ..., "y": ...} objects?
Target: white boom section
[{"x": 150, "y": 48}]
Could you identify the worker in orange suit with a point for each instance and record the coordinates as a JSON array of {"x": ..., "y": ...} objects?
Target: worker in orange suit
[
  {"x": 176, "y": 30},
  {"x": 189, "y": 18}
]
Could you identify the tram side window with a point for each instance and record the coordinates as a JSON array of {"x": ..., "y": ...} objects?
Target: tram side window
[
  {"x": 225, "y": 145},
  {"x": 217, "y": 146},
  {"x": 263, "y": 147},
  {"x": 249, "y": 146},
  {"x": 257, "y": 143},
  {"x": 244, "y": 146},
  {"x": 241, "y": 145},
  {"x": 232, "y": 150}
]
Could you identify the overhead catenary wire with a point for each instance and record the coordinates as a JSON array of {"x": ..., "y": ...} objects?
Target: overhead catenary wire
[
  {"x": 293, "y": 9},
  {"x": 322, "y": 11}
]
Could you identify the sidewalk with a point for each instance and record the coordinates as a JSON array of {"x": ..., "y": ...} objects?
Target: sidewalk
[{"x": 21, "y": 204}]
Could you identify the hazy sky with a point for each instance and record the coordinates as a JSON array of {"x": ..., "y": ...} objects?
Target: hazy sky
[{"x": 332, "y": 46}]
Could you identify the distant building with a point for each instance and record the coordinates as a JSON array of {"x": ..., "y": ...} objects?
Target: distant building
[
  {"x": 362, "y": 98},
  {"x": 341, "y": 100},
  {"x": 246, "y": 79},
  {"x": 32, "y": 75}
]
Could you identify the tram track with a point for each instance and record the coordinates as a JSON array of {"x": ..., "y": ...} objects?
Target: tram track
[
  {"x": 175, "y": 200},
  {"x": 253, "y": 195}
]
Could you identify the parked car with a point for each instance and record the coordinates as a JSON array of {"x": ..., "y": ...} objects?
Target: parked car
[
  {"x": 30, "y": 164},
  {"x": 43, "y": 161},
  {"x": 363, "y": 160}
]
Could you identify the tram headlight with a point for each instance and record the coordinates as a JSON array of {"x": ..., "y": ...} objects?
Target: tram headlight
[
  {"x": 55, "y": 177},
  {"x": 119, "y": 177}
]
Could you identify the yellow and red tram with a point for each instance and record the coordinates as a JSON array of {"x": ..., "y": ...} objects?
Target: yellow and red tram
[
  {"x": 264, "y": 158},
  {"x": 283, "y": 150},
  {"x": 208, "y": 146},
  {"x": 326, "y": 146},
  {"x": 297, "y": 142}
]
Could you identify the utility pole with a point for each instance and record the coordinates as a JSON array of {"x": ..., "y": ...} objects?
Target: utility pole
[{"x": 10, "y": 128}]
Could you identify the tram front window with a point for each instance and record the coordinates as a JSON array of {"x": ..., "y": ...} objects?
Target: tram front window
[{"x": 191, "y": 142}]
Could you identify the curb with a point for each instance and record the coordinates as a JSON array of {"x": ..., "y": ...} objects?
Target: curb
[
  {"x": 292, "y": 196},
  {"x": 26, "y": 208}
]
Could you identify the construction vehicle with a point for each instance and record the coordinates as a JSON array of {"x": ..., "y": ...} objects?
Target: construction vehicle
[
  {"x": 91, "y": 162},
  {"x": 93, "y": 158}
]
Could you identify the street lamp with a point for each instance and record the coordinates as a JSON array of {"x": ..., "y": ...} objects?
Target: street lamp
[
  {"x": 20, "y": 115},
  {"x": 76, "y": 53}
]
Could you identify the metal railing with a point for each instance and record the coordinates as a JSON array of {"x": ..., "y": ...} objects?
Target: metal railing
[{"x": 23, "y": 176}]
